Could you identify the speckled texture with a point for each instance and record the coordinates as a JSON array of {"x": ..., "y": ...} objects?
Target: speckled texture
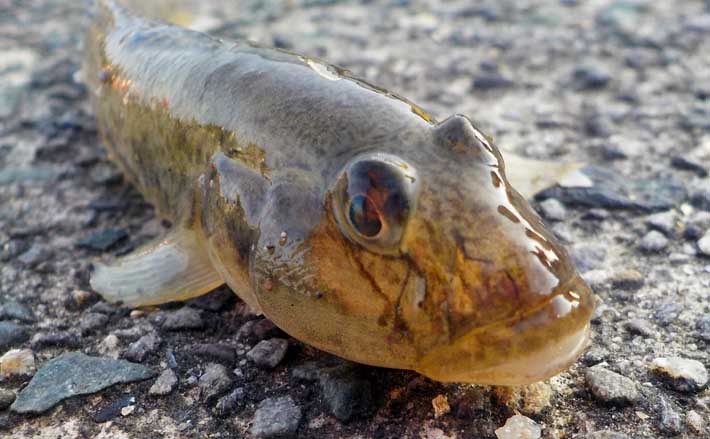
[{"x": 620, "y": 84}]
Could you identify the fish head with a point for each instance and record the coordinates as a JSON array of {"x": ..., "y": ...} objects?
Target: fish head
[{"x": 426, "y": 258}]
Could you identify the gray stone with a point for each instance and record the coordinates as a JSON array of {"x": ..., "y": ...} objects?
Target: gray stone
[
  {"x": 215, "y": 381},
  {"x": 15, "y": 310},
  {"x": 165, "y": 383},
  {"x": 590, "y": 77},
  {"x": 276, "y": 417},
  {"x": 227, "y": 404},
  {"x": 71, "y": 374},
  {"x": 268, "y": 354},
  {"x": 141, "y": 348},
  {"x": 683, "y": 374},
  {"x": 653, "y": 242},
  {"x": 215, "y": 301},
  {"x": 670, "y": 422},
  {"x": 553, "y": 210},
  {"x": 610, "y": 387},
  {"x": 92, "y": 321},
  {"x": 345, "y": 392},
  {"x": 184, "y": 318},
  {"x": 11, "y": 335},
  {"x": 7, "y": 397},
  {"x": 666, "y": 222}
]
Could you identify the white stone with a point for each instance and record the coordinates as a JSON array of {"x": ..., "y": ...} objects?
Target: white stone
[
  {"x": 17, "y": 362},
  {"x": 519, "y": 427},
  {"x": 704, "y": 244}
]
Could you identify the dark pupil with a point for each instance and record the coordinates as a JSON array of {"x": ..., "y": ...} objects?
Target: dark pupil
[{"x": 364, "y": 216}]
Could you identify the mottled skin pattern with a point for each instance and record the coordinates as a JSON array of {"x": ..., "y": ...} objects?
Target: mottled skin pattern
[{"x": 250, "y": 146}]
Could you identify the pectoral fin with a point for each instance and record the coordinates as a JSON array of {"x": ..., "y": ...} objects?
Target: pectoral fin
[
  {"x": 530, "y": 176},
  {"x": 173, "y": 268}
]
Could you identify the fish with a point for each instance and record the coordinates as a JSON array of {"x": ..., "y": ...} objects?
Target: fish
[{"x": 349, "y": 216}]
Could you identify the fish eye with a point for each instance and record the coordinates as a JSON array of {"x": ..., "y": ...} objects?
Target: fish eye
[
  {"x": 374, "y": 198},
  {"x": 364, "y": 216}
]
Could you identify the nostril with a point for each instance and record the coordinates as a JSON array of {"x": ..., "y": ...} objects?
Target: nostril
[{"x": 458, "y": 134}]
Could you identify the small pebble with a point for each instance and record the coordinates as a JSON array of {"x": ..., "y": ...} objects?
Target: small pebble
[
  {"x": 610, "y": 387},
  {"x": 127, "y": 410},
  {"x": 276, "y": 417},
  {"x": 553, "y": 210},
  {"x": 215, "y": 381},
  {"x": 184, "y": 318},
  {"x": 519, "y": 427},
  {"x": 7, "y": 397},
  {"x": 11, "y": 334},
  {"x": 17, "y": 362},
  {"x": 628, "y": 280},
  {"x": 683, "y": 374},
  {"x": 441, "y": 406},
  {"x": 257, "y": 330},
  {"x": 93, "y": 321},
  {"x": 110, "y": 346},
  {"x": 227, "y": 404},
  {"x": 17, "y": 311},
  {"x": 639, "y": 327},
  {"x": 220, "y": 352},
  {"x": 165, "y": 383},
  {"x": 590, "y": 77},
  {"x": 141, "y": 348},
  {"x": 666, "y": 222},
  {"x": 34, "y": 256},
  {"x": 268, "y": 354},
  {"x": 56, "y": 339},
  {"x": 670, "y": 422},
  {"x": 653, "y": 242}
]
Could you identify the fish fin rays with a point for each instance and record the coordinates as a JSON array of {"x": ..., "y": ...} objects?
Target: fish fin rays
[
  {"x": 172, "y": 268},
  {"x": 530, "y": 176}
]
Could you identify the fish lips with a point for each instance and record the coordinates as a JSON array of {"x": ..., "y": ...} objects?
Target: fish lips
[{"x": 530, "y": 347}]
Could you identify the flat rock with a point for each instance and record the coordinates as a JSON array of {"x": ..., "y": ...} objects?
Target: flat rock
[
  {"x": 685, "y": 375},
  {"x": 267, "y": 354},
  {"x": 670, "y": 422},
  {"x": 184, "y": 318},
  {"x": 11, "y": 334},
  {"x": 74, "y": 373},
  {"x": 610, "y": 387},
  {"x": 165, "y": 383},
  {"x": 276, "y": 417}
]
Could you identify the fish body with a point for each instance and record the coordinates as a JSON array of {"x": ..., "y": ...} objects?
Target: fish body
[{"x": 346, "y": 214}]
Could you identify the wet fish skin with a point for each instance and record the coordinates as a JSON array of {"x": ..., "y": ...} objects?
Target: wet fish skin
[{"x": 275, "y": 168}]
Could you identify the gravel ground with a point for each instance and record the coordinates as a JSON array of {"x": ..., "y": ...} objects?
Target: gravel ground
[{"x": 623, "y": 85}]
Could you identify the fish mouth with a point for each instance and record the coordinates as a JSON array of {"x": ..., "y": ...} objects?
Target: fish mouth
[{"x": 525, "y": 349}]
